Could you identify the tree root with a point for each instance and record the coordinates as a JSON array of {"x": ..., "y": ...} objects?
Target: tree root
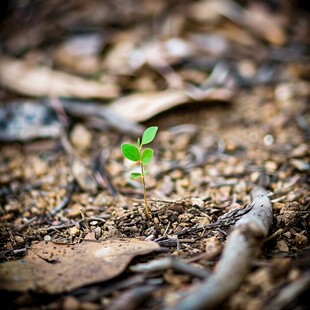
[{"x": 242, "y": 246}]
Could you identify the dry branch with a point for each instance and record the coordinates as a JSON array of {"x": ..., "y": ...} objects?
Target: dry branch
[{"x": 242, "y": 246}]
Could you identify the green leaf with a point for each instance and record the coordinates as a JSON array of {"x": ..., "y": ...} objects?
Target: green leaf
[
  {"x": 139, "y": 142},
  {"x": 147, "y": 156},
  {"x": 135, "y": 175},
  {"x": 146, "y": 172},
  {"x": 149, "y": 134},
  {"x": 130, "y": 151}
]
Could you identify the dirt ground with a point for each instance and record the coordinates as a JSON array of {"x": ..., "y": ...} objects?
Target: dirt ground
[{"x": 242, "y": 120}]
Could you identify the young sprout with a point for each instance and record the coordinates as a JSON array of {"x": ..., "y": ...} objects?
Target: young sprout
[{"x": 143, "y": 157}]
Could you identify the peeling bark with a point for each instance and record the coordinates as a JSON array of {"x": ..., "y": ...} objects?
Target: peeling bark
[{"x": 242, "y": 246}]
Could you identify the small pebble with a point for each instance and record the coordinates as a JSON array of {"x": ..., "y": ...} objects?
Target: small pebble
[
  {"x": 80, "y": 137},
  {"x": 47, "y": 238}
]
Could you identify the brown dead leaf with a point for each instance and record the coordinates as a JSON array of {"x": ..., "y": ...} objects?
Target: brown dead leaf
[
  {"x": 142, "y": 106},
  {"x": 55, "y": 268},
  {"x": 19, "y": 76}
]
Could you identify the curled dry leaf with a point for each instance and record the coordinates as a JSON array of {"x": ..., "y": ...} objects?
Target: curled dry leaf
[
  {"x": 19, "y": 76},
  {"x": 55, "y": 268}
]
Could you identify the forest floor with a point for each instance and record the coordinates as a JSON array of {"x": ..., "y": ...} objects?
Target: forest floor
[{"x": 231, "y": 104}]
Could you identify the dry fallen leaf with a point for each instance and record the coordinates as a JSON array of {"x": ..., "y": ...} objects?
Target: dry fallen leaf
[
  {"x": 19, "y": 76},
  {"x": 55, "y": 268},
  {"x": 142, "y": 106}
]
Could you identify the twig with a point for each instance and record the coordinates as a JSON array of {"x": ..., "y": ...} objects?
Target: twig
[
  {"x": 241, "y": 248},
  {"x": 225, "y": 220},
  {"x": 275, "y": 234},
  {"x": 26, "y": 224},
  {"x": 172, "y": 242},
  {"x": 131, "y": 299},
  {"x": 170, "y": 262},
  {"x": 58, "y": 227},
  {"x": 84, "y": 219}
]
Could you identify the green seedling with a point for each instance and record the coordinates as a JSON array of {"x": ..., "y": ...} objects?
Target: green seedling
[{"x": 141, "y": 156}]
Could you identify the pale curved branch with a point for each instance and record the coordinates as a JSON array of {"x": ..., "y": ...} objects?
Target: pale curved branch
[{"x": 242, "y": 246}]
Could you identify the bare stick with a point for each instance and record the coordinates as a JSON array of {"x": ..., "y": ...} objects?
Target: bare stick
[{"x": 242, "y": 246}]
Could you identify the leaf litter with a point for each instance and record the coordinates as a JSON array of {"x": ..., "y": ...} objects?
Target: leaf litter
[
  {"x": 58, "y": 267},
  {"x": 227, "y": 84}
]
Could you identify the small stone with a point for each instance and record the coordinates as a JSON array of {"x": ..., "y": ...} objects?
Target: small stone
[
  {"x": 212, "y": 246},
  {"x": 9, "y": 246},
  {"x": 74, "y": 211},
  {"x": 271, "y": 166},
  {"x": 196, "y": 174},
  {"x": 40, "y": 167},
  {"x": 300, "y": 150},
  {"x": 282, "y": 246},
  {"x": 247, "y": 68},
  {"x": 254, "y": 176},
  {"x": 301, "y": 240},
  {"x": 225, "y": 190},
  {"x": 35, "y": 211},
  {"x": 300, "y": 165},
  {"x": 231, "y": 146},
  {"x": 74, "y": 231},
  {"x": 176, "y": 253},
  {"x": 47, "y": 238},
  {"x": 19, "y": 240},
  {"x": 98, "y": 232},
  {"x": 239, "y": 169},
  {"x": 156, "y": 221},
  {"x": 71, "y": 303},
  {"x": 293, "y": 275},
  {"x": 213, "y": 171},
  {"x": 80, "y": 137},
  {"x": 176, "y": 174},
  {"x": 181, "y": 186},
  {"x": 284, "y": 92},
  {"x": 197, "y": 202},
  {"x": 240, "y": 187},
  {"x": 12, "y": 206},
  {"x": 90, "y": 236},
  {"x": 268, "y": 140}
]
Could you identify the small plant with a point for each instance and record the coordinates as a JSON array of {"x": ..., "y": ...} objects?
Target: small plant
[{"x": 142, "y": 157}]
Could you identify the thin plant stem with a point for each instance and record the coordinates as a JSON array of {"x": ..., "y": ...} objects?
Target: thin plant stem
[{"x": 147, "y": 212}]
